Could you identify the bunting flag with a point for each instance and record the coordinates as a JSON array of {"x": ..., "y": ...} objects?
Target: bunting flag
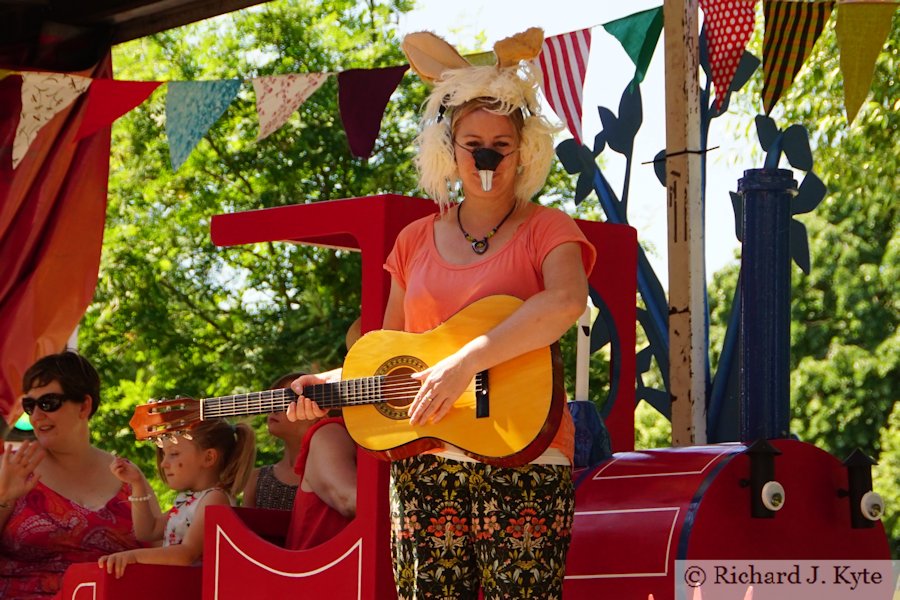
[
  {"x": 792, "y": 29},
  {"x": 563, "y": 62},
  {"x": 44, "y": 95},
  {"x": 729, "y": 24},
  {"x": 638, "y": 34},
  {"x": 191, "y": 109},
  {"x": 363, "y": 95},
  {"x": 861, "y": 31},
  {"x": 109, "y": 99},
  {"x": 278, "y": 96}
]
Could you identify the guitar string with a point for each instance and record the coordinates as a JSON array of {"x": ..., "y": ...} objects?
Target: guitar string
[
  {"x": 342, "y": 399},
  {"x": 392, "y": 391},
  {"x": 395, "y": 391},
  {"x": 406, "y": 384},
  {"x": 343, "y": 392}
]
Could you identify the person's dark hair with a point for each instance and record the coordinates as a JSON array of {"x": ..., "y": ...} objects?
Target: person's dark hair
[{"x": 76, "y": 376}]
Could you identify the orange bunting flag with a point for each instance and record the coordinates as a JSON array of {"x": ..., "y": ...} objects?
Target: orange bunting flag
[
  {"x": 44, "y": 95},
  {"x": 278, "y": 96},
  {"x": 109, "y": 99},
  {"x": 861, "y": 31},
  {"x": 792, "y": 29},
  {"x": 729, "y": 24}
]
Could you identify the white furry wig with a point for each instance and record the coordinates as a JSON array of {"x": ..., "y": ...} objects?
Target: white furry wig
[{"x": 514, "y": 88}]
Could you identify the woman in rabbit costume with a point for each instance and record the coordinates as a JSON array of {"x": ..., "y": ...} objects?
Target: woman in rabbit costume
[{"x": 459, "y": 524}]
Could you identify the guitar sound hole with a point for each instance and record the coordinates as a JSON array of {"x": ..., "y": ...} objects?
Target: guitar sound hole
[
  {"x": 398, "y": 389},
  {"x": 410, "y": 387}
]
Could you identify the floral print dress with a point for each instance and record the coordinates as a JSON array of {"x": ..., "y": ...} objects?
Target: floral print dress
[
  {"x": 46, "y": 532},
  {"x": 181, "y": 515}
]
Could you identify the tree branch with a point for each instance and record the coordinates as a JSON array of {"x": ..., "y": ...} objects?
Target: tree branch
[
  {"x": 228, "y": 163},
  {"x": 195, "y": 309}
]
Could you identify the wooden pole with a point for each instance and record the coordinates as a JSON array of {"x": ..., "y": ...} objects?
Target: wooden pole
[{"x": 687, "y": 285}]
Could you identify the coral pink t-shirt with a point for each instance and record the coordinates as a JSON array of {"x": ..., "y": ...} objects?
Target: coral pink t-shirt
[{"x": 436, "y": 289}]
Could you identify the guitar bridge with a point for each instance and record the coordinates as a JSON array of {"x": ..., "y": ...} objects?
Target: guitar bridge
[{"x": 482, "y": 397}]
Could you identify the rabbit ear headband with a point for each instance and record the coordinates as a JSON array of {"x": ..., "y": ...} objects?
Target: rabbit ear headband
[
  {"x": 512, "y": 83},
  {"x": 429, "y": 56},
  {"x": 456, "y": 81}
]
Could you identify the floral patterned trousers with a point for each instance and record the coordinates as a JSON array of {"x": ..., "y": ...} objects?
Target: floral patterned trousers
[{"x": 459, "y": 526}]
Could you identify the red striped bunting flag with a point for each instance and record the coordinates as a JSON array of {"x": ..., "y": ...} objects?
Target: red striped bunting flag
[{"x": 563, "y": 62}]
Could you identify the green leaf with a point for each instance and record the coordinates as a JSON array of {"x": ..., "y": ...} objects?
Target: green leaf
[{"x": 766, "y": 130}]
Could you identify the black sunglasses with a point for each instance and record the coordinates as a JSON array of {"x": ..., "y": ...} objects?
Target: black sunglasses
[{"x": 47, "y": 403}]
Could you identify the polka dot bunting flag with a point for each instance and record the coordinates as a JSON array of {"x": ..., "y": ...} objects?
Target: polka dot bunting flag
[{"x": 729, "y": 24}]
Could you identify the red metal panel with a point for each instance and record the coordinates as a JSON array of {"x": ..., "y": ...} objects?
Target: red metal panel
[
  {"x": 615, "y": 278},
  {"x": 356, "y": 562},
  {"x": 86, "y": 581},
  {"x": 368, "y": 224},
  {"x": 238, "y": 564}
]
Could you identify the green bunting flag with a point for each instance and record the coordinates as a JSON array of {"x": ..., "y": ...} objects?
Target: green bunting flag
[{"x": 638, "y": 34}]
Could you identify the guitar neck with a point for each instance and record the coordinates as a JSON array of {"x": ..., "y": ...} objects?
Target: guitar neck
[{"x": 349, "y": 392}]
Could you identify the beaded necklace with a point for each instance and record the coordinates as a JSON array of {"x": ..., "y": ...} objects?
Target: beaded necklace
[{"x": 481, "y": 246}]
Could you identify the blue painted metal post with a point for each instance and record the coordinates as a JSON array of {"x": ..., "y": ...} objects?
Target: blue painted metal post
[{"x": 766, "y": 303}]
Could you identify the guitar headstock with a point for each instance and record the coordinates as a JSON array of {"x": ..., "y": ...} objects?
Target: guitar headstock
[{"x": 159, "y": 418}]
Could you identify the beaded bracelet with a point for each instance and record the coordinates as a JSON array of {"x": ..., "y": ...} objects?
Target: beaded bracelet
[{"x": 140, "y": 498}]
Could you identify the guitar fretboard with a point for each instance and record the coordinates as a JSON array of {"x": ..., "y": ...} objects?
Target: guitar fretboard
[
  {"x": 349, "y": 392},
  {"x": 397, "y": 389}
]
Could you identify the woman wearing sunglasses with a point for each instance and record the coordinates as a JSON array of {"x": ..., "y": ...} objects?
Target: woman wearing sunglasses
[{"x": 59, "y": 502}]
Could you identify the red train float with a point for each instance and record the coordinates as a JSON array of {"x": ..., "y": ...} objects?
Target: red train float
[{"x": 636, "y": 513}]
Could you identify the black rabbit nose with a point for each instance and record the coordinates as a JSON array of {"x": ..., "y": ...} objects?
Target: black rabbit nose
[{"x": 487, "y": 159}]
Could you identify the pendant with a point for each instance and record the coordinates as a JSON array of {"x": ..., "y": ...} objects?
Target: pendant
[{"x": 480, "y": 246}]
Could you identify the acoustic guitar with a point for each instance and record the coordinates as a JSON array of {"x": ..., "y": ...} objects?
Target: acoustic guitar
[{"x": 507, "y": 416}]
